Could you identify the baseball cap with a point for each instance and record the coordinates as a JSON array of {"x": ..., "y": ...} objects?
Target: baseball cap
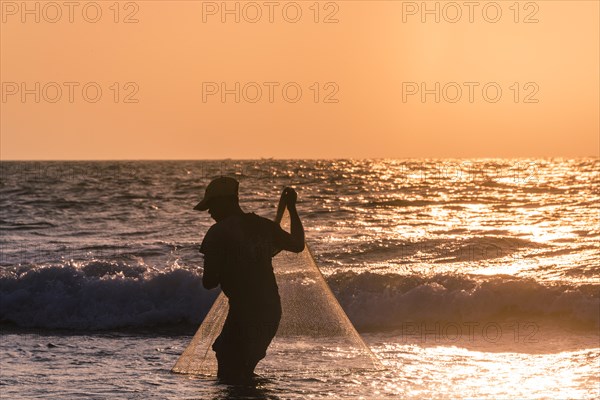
[{"x": 223, "y": 186}]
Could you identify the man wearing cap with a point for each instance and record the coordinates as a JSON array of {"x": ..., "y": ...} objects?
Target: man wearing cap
[{"x": 237, "y": 255}]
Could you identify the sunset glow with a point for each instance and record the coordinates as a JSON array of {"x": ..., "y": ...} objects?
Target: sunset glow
[{"x": 372, "y": 62}]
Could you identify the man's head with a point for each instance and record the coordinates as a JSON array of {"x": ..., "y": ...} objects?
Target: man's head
[{"x": 220, "y": 198}]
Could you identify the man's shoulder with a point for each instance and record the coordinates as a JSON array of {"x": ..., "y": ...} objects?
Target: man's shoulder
[
  {"x": 214, "y": 229},
  {"x": 212, "y": 238},
  {"x": 263, "y": 222},
  {"x": 234, "y": 223},
  {"x": 221, "y": 232},
  {"x": 260, "y": 219}
]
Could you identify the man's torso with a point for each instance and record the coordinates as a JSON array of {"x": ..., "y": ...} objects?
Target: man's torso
[{"x": 246, "y": 272}]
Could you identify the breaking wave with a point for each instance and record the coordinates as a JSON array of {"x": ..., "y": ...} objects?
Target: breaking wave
[
  {"x": 374, "y": 301},
  {"x": 101, "y": 295}
]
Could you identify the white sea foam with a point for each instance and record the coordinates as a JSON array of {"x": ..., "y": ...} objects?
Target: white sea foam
[{"x": 107, "y": 295}]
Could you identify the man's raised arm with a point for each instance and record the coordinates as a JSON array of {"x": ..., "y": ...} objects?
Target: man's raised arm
[{"x": 295, "y": 241}]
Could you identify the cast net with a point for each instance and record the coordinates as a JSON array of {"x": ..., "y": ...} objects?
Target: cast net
[{"x": 314, "y": 333}]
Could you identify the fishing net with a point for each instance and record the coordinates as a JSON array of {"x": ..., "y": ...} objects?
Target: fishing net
[{"x": 314, "y": 333}]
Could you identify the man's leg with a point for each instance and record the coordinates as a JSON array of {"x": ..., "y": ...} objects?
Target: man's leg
[
  {"x": 228, "y": 348},
  {"x": 261, "y": 336}
]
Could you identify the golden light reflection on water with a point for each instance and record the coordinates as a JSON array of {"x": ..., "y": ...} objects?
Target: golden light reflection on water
[
  {"x": 523, "y": 218},
  {"x": 455, "y": 372},
  {"x": 544, "y": 233},
  {"x": 513, "y": 268}
]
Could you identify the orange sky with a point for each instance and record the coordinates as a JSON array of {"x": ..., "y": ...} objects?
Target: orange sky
[{"x": 374, "y": 53}]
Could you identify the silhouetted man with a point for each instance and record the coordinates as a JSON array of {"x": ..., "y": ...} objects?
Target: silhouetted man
[{"x": 237, "y": 255}]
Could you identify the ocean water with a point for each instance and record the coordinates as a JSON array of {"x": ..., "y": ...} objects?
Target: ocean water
[{"x": 467, "y": 278}]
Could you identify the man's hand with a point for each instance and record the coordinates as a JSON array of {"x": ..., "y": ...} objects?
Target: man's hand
[
  {"x": 293, "y": 241},
  {"x": 290, "y": 197}
]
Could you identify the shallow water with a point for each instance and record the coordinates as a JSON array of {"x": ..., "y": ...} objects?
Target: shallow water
[{"x": 118, "y": 365}]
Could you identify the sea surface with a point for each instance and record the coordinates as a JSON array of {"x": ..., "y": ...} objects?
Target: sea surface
[{"x": 468, "y": 278}]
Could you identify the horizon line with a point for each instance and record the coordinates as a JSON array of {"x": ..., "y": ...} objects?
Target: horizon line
[{"x": 292, "y": 158}]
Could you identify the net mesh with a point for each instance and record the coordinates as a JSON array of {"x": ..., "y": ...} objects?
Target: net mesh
[{"x": 314, "y": 332}]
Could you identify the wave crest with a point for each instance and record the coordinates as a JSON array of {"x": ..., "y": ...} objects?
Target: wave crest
[
  {"x": 374, "y": 301},
  {"x": 100, "y": 295}
]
